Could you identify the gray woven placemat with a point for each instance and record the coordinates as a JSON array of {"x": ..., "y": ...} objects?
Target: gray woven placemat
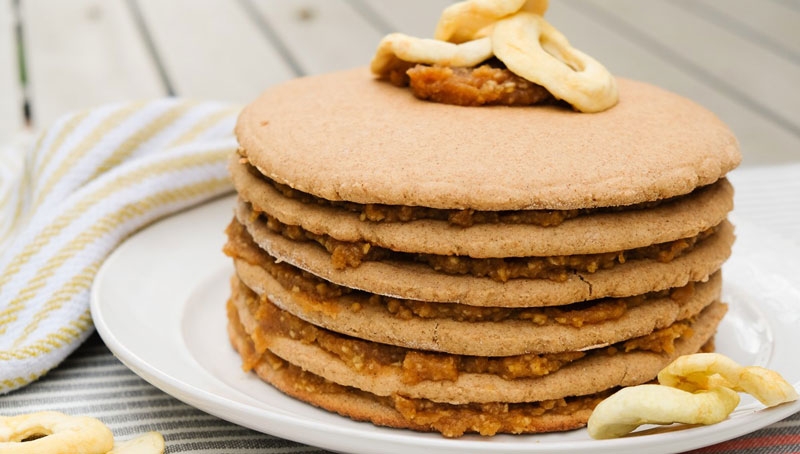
[{"x": 93, "y": 382}]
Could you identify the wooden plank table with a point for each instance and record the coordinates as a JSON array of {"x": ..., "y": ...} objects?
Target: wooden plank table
[
  {"x": 11, "y": 111},
  {"x": 739, "y": 58},
  {"x": 83, "y": 53}
]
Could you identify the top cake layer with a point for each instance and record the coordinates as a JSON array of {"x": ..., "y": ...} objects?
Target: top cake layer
[{"x": 344, "y": 136}]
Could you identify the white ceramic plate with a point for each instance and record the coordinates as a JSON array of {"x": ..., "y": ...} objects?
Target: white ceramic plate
[{"x": 158, "y": 303}]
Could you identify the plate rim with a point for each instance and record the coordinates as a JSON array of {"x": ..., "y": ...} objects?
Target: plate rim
[{"x": 326, "y": 436}]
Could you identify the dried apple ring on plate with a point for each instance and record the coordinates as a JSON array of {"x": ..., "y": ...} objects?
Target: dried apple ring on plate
[
  {"x": 694, "y": 389},
  {"x": 631, "y": 407},
  {"x": 705, "y": 371}
]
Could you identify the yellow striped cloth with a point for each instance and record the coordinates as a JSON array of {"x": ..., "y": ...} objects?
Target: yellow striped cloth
[{"x": 91, "y": 180}]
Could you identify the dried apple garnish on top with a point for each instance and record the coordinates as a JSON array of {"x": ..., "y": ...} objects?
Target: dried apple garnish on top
[
  {"x": 496, "y": 52},
  {"x": 465, "y": 21}
]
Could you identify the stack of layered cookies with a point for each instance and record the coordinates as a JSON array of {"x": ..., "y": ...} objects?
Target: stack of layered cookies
[{"x": 488, "y": 269}]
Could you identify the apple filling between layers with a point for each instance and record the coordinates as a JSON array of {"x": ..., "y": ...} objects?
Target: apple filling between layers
[
  {"x": 376, "y": 212},
  {"x": 396, "y": 410},
  {"x": 555, "y": 268},
  {"x": 416, "y": 366},
  {"x": 418, "y": 414},
  {"x": 318, "y": 292}
]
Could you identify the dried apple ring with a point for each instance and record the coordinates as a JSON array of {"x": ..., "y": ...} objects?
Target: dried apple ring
[
  {"x": 463, "y": 21},
  {"x": 533, "y": 49},
  {"x": 54, "y": 433},
  {"x": 694, "y": 389},
  {"x": 629, "y": 408},
  {"x": 708, "y": 370},
  {"x": 399, "y": 47},
  {"x": 149, "y": 443}
]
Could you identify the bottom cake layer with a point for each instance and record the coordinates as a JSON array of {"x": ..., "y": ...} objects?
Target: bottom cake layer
[
  {"x": 405, "y": 413},
  {"x": 411, "y": 413}
]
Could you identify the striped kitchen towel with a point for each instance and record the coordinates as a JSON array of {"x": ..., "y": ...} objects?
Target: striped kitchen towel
[{"x": 91, "y": 180}]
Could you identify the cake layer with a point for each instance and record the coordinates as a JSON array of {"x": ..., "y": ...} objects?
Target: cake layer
[
  {"x": 466, "y": 330},
  {"x": 410, "y": 280},
  {"x": 386, "y": 370},
  {"x": 405, "y": 413},
  {"x": 346, "y": 136},
  {"x": 604, "y": 231}
]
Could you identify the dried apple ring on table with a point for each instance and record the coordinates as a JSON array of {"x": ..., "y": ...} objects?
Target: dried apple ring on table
[
  {"x": 54, "y": 433},
  {"x": 694, "y": 389},
  {"x": 149, "y": 443},
  {"x": 533, "y": 49}
]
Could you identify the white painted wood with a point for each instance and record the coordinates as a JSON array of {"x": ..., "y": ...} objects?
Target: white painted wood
[
  {"x": 83, "y": 53},
  {"x": 323, "y": 35},
  {"x": 762, "y": 140},
  {"x": 773, "y": 24},
  {"x": 412, "y": 17},
  {"x": 736, "y": 63},
  {"x": 86, "y": 52},
  {"x": 10, "y": 97},
  {"x": 211, "y": 49}
]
